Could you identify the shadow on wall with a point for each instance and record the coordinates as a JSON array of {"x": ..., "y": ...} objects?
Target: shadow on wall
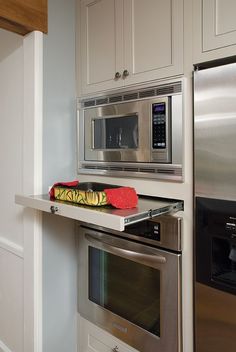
[{"x": 9, "y": 42}]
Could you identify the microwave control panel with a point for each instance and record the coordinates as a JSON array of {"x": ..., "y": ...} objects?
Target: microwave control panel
[{"x": 159, "y": 125}]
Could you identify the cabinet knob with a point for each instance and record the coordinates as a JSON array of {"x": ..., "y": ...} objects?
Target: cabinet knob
[
  {"x": 125, "y": 73},
  {"x": 115, "y": 349},
  {"x": 117, "y": 75}
]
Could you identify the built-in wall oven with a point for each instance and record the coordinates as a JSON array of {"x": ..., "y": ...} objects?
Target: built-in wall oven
[
  {"x": 129, "y": 282},
  {"x": 135, "y": 133}
]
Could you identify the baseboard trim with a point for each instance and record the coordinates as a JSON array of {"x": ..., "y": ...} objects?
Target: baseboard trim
[
  {"x": 4, "y": 348},
  {"x": 13, "y": 248}
]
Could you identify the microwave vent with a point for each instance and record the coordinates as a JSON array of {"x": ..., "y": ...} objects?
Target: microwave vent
[
  {"x": 102, "y": 167},
  {"x": 115, "y": 168},
  {"x": 147, "y": 93},
  {"x": 88, "y": 103},
  {"x": 115, "y": 98},
  {"x": 101, "y": 101},
  {"x": 89, "y": 167},
  {"x": 168, "y": 89},
  {"x": 131, "y": 96},
  {"x": 165, "y": 172},
  {"x": 131, "y": 169},
  {"x": 143, "y": 169}
]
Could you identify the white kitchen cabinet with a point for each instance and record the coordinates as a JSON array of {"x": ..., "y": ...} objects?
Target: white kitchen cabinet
[
  {"x": 94, "y": 339},
  {"x": 214, "y": 29},
  {"x": 125, "y": 42},
  {"x": 101, "y": 41}
]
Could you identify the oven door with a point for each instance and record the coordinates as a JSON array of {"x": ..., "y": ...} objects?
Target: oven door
[{"x": 131, "y": 290}]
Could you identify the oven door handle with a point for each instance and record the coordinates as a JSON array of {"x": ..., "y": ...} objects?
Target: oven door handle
[{"x": 142, "y": 256}]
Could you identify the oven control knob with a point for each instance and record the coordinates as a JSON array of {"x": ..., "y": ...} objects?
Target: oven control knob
[
  {"x": 117, "y": 75},
  {"x": 115, "y": 349}
]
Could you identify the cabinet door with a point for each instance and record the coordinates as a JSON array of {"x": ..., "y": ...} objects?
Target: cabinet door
[
  {"x": 219, "y": 23},
  {"x": 101, "y": 44},
  {"x": 153, "y": 39}
]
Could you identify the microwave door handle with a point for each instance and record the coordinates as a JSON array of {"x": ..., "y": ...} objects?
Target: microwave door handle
[{"x": 127, "y": 253}]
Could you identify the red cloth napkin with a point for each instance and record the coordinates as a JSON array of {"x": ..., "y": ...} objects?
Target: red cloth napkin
[
  {"x": 122, "y": 197},
  {"x": 68, "y": 184}
]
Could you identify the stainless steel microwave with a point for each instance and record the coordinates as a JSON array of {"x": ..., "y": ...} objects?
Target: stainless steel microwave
[{"x": 136, "y": 133}]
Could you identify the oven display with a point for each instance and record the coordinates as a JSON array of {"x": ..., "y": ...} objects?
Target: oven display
[
  {"x": 147, "y": 229},
  {"x": 159, "y": 126}
]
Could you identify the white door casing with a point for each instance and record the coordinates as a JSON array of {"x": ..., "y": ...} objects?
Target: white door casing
[
  {"x": 21, "y": 162},
  {"x": 32, "y": 183}
]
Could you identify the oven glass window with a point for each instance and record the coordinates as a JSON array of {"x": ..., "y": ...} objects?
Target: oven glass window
[
  {"x": 116, "y": 132},
  {"x": 126, "y": 288}
]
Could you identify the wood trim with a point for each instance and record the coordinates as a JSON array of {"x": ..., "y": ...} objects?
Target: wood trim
[
  {"x": 12, "y": 26},
  {"x": 23, "y": 16}
]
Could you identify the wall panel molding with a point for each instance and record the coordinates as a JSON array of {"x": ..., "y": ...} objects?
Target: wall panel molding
[
  {"x": 4, "y": 348},
  {"x": 11, "y": 247}
]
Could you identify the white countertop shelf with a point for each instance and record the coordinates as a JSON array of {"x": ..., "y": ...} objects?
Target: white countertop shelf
[{"x": 105, "y": 216}]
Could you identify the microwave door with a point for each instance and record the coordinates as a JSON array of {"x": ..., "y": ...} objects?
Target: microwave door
[
  {"x": 98, "y": 134},
  {"x": 122, "y": 135},
  {"x": 116, "y": 133}
]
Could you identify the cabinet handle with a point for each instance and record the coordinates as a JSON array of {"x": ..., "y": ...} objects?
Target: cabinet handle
[
  {"x": 54, "y": 209},
  {"x": 115, "y": 349},
  {"x": 125, "y": 73},
  {"x": 117, "y": 75}
]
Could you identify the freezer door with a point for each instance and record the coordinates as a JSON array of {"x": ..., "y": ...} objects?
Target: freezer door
[{"x": 215, "y": 131}]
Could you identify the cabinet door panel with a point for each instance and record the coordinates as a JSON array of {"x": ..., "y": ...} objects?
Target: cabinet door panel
[
  {"x": 101, "y": 47},
  {"x": 219, "y": 25},
  {"x": 153, "y": 38},
  {"x": 151, "y": 34}
]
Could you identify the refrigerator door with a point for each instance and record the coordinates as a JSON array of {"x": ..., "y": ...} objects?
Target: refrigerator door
[
  {"x": 215, "y": 131},
  {"x": 215, "y": 320}
]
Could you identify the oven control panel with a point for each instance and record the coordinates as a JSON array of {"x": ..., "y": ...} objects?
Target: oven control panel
[
  {"x": 162, "y": 231},
  {"x": 146, "y": 229}
]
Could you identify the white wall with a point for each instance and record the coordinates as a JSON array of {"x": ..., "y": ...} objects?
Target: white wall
[
  {"x": 11, "y": 180},
  {"x": 59, "y": 164}
]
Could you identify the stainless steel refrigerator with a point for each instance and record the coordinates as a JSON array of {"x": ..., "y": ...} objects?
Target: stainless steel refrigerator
[{"x": 215, "y": 206}]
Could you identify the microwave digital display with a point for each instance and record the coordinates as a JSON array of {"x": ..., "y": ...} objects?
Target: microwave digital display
[{"x": 159, "y": 125}]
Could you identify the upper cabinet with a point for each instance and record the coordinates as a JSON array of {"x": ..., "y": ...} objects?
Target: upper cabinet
[
  {"x": 124, "y": 42},
  {"x": 23, "y": 16},
  {"x": 214, "y": 29}
]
